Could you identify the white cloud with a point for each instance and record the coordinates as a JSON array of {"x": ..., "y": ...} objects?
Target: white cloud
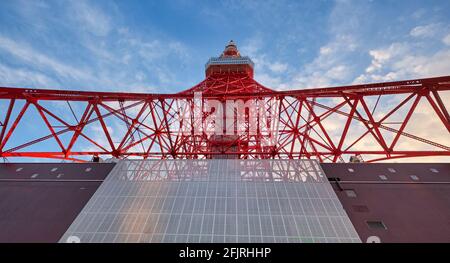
[
  {"x": 339, "y": 72},
  {"x": 91, "y": 18},
  {"x": 381, "y": 56},
  {"x": 419, "y": 13},
  {"x": 325, "y": 50},
  {"x": 446, "y": 40},
  {"x": 398, "y": 62},
  {"x": 278, "y": 67},
  {"x": 251, "y": 47},
  {"x": 267, "y": 71},
  {"x": 103, "y": 60},
  {"x": 37, "y": 59},
  {"x": 18, "y": 77},
  {"x": 380, "y": 59},
  {"x": 330, "y": 66},
  {"x": 425, "y": 31},
  {"x": 412, "y": 66}
]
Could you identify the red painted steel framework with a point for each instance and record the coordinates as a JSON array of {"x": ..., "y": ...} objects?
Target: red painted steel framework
[{"x": 375, "y": 121}]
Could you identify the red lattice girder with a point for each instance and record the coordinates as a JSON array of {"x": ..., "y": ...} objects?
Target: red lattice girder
[{"x": 377, "y": 121}]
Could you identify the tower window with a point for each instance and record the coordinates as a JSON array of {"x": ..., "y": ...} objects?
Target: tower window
[{"x": 375, "y": 225}]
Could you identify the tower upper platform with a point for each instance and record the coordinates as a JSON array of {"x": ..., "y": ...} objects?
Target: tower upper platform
[
  {"x": 230, "y": 61},
  {"x": 229, "y": 74}
]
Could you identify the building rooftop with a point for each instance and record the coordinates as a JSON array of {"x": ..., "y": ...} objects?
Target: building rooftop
[{"x": 395, "y": 202}]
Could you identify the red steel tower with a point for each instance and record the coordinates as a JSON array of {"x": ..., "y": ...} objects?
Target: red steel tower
[{"x": 372, "y": 121}]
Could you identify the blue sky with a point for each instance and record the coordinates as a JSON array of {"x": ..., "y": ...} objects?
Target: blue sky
[{"x": 161, "y": 46}]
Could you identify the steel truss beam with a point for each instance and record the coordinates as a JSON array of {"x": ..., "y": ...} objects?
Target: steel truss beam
[{"x": 372, "y": 120}]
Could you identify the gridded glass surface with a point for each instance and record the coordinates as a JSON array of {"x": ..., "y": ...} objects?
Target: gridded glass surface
[{"x": 214, "y": 201}]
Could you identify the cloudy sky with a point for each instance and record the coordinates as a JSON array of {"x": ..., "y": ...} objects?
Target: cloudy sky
[{"x": 162, "y": 46}]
